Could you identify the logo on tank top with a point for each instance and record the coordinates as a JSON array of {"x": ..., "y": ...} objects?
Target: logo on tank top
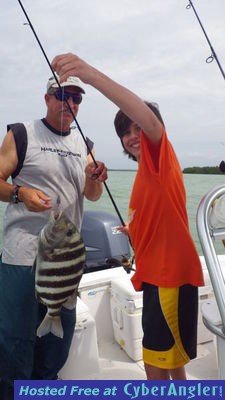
[{"x": 61, "y": 153}]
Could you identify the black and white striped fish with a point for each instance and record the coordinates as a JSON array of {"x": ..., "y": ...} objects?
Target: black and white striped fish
[{"x": 59, "y": 267}]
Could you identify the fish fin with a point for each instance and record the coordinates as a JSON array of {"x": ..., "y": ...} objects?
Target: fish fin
[
  {"x": 50, "y": 324},
  {"x": 71, "y": 302}
]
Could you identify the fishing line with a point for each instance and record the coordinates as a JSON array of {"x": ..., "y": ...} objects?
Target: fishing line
[
  {"x": 213, "y": 55},
  {"x": 62, "y": 112},
  {"x": 68, "y": 105}
]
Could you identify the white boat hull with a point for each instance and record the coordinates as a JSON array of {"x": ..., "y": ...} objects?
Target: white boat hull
[{"x": 107, "y": 339}]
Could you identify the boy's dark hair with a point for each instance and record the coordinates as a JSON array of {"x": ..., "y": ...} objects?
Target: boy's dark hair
[{"x": 122, "y": 123}]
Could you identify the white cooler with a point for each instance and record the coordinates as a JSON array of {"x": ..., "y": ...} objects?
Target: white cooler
[
  {"x": 83, "y": 358},
  {"x": 126, "y": 312}
]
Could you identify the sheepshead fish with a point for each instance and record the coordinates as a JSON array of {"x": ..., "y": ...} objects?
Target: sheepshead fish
[{"x": 58, "y": 269}]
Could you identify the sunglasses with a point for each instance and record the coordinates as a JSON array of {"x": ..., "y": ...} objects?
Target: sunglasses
[{"x": 65, "y": 96}]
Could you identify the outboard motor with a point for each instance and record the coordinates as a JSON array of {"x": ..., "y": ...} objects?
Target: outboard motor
[{"x": 106, "y": 247}]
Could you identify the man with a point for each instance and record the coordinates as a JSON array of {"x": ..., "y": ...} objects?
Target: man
[
  {"x": 168, "y": 269},
  {"x": 46, "y": 161}
]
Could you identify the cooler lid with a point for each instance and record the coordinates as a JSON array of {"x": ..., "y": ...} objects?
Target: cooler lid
[
  {"x": 101, "y": 277},
  {"x": 124, "y": 290}
]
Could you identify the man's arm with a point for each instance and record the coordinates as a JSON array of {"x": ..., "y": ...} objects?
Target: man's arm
[
  {"x": 8, "y": 163},
  {"x": 135, "y": 108},
  {"x": 33, "y": 199}
]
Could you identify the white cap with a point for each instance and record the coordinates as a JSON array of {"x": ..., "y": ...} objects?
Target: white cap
[{"x": 71, "y": 81}]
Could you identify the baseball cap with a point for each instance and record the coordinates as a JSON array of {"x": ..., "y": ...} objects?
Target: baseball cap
[{"x": 71, "y": 81}]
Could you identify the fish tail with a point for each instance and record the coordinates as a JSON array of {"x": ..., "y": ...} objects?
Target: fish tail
[{"x": 50, "y": 324}]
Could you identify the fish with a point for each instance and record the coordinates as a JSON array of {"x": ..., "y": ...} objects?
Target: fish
[{"x": 59, "y": 266}]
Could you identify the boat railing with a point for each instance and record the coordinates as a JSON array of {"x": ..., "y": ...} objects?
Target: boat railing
[{"x": 208, "y": 232}]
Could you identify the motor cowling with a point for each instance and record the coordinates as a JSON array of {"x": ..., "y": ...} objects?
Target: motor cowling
[{"x": 106, "y": 247}]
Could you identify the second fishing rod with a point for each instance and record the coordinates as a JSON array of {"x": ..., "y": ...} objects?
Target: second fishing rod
[{"x": 213, "y": 55}]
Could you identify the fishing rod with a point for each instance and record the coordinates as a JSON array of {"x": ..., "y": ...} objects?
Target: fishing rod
[
  {"x": 213, "y": 55},
  {"x": 68, "y": 105}
]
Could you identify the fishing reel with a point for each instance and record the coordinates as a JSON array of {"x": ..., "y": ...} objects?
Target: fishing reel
[
  {"x": 125, "y": 262},
  {"x": 222, "y": 167}
]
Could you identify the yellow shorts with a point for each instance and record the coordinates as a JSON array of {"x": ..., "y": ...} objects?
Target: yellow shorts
[{"x": 169, "y": 324}]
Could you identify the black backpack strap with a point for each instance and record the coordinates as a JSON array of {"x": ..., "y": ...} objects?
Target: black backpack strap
[{"x": 20, "y": 136}]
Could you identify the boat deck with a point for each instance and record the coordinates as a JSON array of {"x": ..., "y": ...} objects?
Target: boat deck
[
  {"x": 116, "y": 365},
  {"x": 97, "y": 355}
]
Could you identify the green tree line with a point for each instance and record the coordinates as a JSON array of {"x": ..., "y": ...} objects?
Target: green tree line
[{"x": 202, "y": 170}]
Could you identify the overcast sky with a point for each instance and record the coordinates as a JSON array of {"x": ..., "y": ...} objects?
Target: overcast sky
[{"x": 154, "y": 47}]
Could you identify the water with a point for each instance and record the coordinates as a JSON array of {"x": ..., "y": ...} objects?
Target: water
[{"x": 120, "y": 185}]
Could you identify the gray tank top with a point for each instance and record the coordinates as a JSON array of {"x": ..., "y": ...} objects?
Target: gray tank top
[{"x": 55, "y": 165}]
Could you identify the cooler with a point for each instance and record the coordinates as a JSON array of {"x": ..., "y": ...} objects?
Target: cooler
[
  {"x": 126, "y": 312},
  {"x": 83, "y": 358},
  {"x": 94, "y": 290}
]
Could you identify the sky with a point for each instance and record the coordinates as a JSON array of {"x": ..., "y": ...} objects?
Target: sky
[{"x": 156, "y": 48}]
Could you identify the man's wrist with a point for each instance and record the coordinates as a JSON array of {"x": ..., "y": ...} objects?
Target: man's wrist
[{"x": 15, "y": 195}]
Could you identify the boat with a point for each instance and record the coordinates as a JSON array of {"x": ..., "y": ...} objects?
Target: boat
[
  {"x": 107, "y": 341},
  {"x": 211, "y": 227}
]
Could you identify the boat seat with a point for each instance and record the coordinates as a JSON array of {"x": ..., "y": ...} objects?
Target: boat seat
[{"x": 210, "y": 312}]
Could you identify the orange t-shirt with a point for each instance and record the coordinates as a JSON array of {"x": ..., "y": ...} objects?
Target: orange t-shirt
[{"x": 165, "y": 254}]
